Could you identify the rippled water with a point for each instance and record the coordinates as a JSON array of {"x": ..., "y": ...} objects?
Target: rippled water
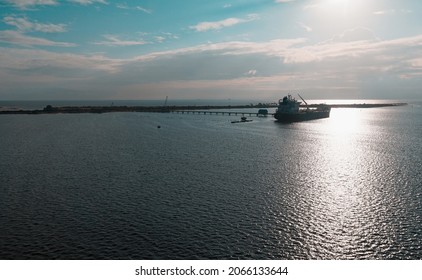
[{"x": 114, "y": 186}]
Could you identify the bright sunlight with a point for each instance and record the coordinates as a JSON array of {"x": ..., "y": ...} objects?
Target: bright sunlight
[{"x": 341, "y": 8}]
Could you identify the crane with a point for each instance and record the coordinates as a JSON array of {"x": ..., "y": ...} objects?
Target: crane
[{"x": 307, "y": 106}]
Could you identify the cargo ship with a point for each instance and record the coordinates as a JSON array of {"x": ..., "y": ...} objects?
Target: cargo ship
[{"x": 289, "y": 110}]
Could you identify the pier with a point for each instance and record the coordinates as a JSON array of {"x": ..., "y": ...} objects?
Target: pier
[{"x": 228, "y": 113}]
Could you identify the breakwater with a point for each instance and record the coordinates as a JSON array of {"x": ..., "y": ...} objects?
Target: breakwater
[{"x": 167, "y": 109}]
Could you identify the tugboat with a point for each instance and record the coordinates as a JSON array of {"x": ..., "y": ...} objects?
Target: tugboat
[{"x": 289, "y": 110}]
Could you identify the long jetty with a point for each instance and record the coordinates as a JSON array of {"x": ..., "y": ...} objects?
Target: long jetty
[
  {"x": 177, "y": 109},
  {"x": 209, "y": 112}
]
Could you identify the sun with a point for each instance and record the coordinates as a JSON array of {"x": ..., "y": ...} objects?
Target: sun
[
  {"x": 337, "y": 12},
  {"x": 334, "y": 16}
]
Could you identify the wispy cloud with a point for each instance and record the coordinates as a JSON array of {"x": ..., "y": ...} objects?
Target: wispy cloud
[
  {"x": 251, "y": 72},
  {"x": 354, "y": 34},
  {"x": 89, "y": 2},
  {"x": 24, "y": 4},
  {"x": 18, "y": 38},
  {"x": 283, "y": 1},
  {"x": 277, "y": 48},
  {"x": 28, "y": 4},
  {"x": 216, "y": 25},
  {"x": 334, "y": 65},
  {"x": 329, "y": 67},
  {"x": 392, "y": 12},
  {"x": 362, "y": 57},
  {"x": 39, "y": 74},
  {"x": 24, "y": 24},
  {"x": 122, "y": 6},
  {"x": 159, "y": 39},
  {"x": 384, "y": 12},
  {"x": 304, "y": 26},
  {"x": 208, "y": 25},
  {"x": 138, "y": 8},
  {"x": 27, "y": 59},
  {"x": 289, "y": 50},
  {"x": 164, "y": 36},
  {"x": 113, "y": 40}
]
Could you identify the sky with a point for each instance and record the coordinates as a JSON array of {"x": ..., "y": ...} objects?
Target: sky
[{"x": 193, "y": 49}]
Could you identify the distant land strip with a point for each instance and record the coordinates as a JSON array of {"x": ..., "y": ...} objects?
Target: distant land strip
[{"x": 166, "y": 109}]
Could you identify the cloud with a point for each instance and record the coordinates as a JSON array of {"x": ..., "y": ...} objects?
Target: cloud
[
  {"x": 304, "y": 26},
  {"x": 24, "y": 4},
  {"x": 289, "y": 51},
  {"x": 283, "y": 1},
  {"x": 331, "y": 68},
  {"x": 164, "y": 36},
  {"x": 89, "y": 2},
  {"x": 23, "y": 24},
  {"x": 138, "y": 8},
  {"x": 413, "y": 69},
  {"x": 122, "y": 6},
  {"x": 159, "y": 39},
  {"x": 18, "y": 38},
  {"x": 384, "y": 12},
  {"x": 39, "y": 74},
  {"x": 392, "y": 12},
  {"x": 216, "y": 25},
  {"x": 205, "y": 26},
  {"x": 29, "y": 60},
  {"x": 27, "y": 4},
  {"x": 355, "y": 34},
  {"x": 326, "y": 68},
  {"x": 113, "y": 40},
  {"x": 251, "y": 72},
  {"x": 275, "y": 48}
]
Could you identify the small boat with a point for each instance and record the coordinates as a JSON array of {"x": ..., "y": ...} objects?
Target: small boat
[
  {"x": 242, "y": 119},
  {"x": 289, "y": 110}
]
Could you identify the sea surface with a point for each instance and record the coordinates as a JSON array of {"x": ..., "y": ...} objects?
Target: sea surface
[{"x": 116, "y": 186}]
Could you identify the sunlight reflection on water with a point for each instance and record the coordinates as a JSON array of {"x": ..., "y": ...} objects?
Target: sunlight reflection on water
[
  {"x": 348, "y": 214},
  {"x": 114, "y": 186}
]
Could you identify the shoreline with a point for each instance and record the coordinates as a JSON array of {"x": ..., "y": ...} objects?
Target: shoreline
[{"x": 167, "y": 109}]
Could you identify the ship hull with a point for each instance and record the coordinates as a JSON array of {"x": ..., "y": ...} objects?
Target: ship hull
[{"x": 301, "y": 116}]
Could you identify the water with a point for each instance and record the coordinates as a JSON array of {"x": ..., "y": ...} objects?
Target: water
[{"x": 114, "y": 186}]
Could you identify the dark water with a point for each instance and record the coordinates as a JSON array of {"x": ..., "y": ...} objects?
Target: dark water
[{"x": 114, "y": 186}]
